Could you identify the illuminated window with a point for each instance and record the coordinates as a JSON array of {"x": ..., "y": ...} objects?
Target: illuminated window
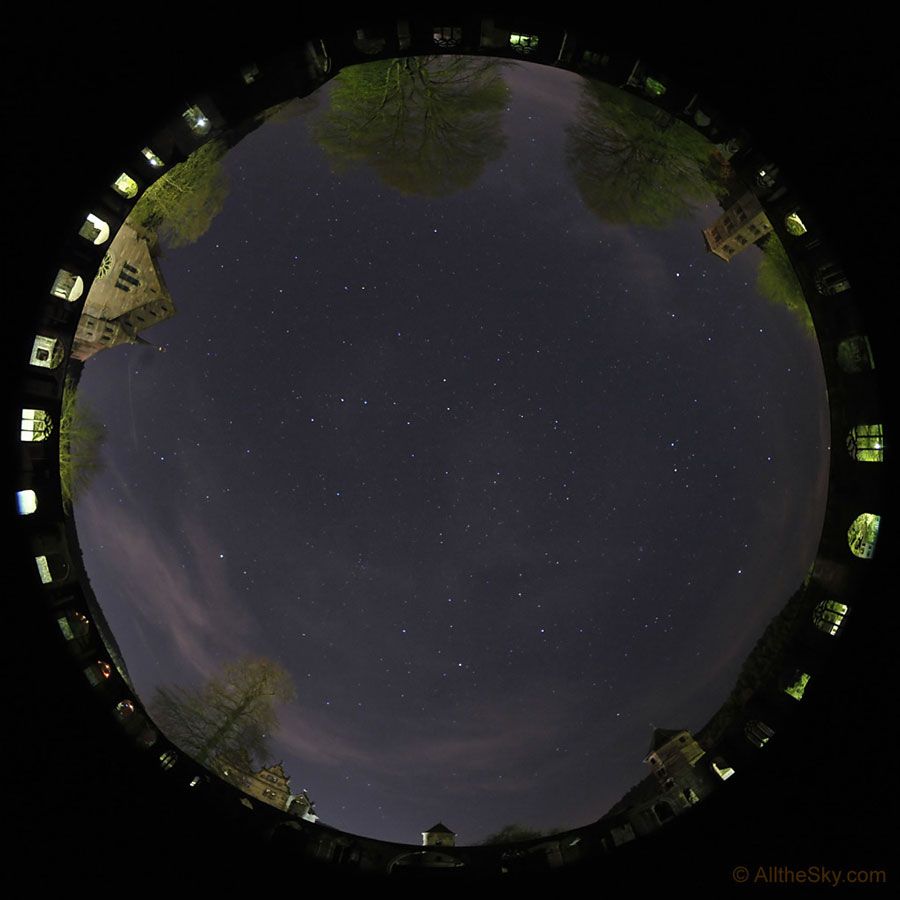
[
  {"x": 523, "y": 43},
  {"x": 124, "y": 709},
  {"x": 250, "y": 73},
  {"x": 447, "y": 35},
  {"x": 46, "y": 352},
  {"x": 798, "y": 685},
  {"x": 758, "y": 733},
  {"x": 43, "y": 567},
  {"x": 196, "y": 120},
  {"x": 152, "y": 158},
  {"x": 167, "y": 760},
  {"x": 794, "y": 224},
  {"x": 67, "y": 286},
  {"x": 653, "y": 87},
  {"x": 26, "y": 501},
  {"x": 829, "y": 615},
  {"x": 36, "y": 425},
  {"x": 194, "y": 781},
  {"x": 866, "y": 443},
  {"x": 94, "y": 230},
  {"x": 73, "y": 625},
  {"x": 98, "y": 673},
  {"x": 863, "y": 534},
  {"x": 855, "y": 355},
  {"x": 125, "y": 186}
]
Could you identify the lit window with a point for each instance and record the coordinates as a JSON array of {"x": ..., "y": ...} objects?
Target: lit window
[
  {"x": 124, "y": 709},
  {"x": 67, "y": 286},
  {"x": 43, "y": 567},
  {"x": 94, "y": 230},
  {"x": 447, "y": 35},
  {"x": 167, "y": 760},
  {"x": 865, "y": 443},
  {"x": 46, "y": 352},
  {"x": 523, "y": 43},
  {"x": 194, "y": 781},
  {"x": 196, "y": 120},
  {"x": 73, "y": 625},
  {"x": 798, "y": 686},
  {"x": 125, "y": 186},
  {"x": 98, "y": 673},
  {"x": 653, "y": 87},
  {"x": 152, "y": 158},
  {"x": 250, "y": 73},
  {"x": 758, "y": 733},
  {"x": 794, "y": 224},
  {"x": 863, "y": 534},
  {"x": 829, "y": 616},
  {"x": 36, "y": 425},
  {"x": 26, "y": 501}
]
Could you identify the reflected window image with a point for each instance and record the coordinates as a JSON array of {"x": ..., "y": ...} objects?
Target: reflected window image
[{"x": 445, "y": 439}]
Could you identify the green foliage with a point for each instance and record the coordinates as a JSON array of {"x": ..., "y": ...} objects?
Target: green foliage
[
  {"x": 426, "y": 125},
  {"x": 181, "y": 204},
  {"x": 81, "y": 436},
  {"x": 777, "y": 282},
  {"x": 636, "y": 165},
  {"x": 512, "y": 834},
  {"x": 226, "y": 723}
]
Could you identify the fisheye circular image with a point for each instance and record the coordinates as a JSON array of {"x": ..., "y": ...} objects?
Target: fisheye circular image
[{"x": 443, "y": 443}]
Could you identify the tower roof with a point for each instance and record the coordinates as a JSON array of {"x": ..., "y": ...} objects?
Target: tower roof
[
  {"x": 662, "y": 736},
  {"x": 440, "y": 828}
]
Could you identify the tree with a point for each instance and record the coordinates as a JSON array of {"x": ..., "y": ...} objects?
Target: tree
[
  {"x": 181, "y": 204},
  {"x": 81, "y": 436},
  {"x": 777, "y": 281},
  {"x": 427, "y": 125},
  {"x": 513, "y": 834},
  {"x": 226, "y": 723},
  {"x": 635, "y": 164}
]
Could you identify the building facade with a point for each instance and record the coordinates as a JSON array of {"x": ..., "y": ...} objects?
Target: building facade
[{"x": 742, "y": 224}]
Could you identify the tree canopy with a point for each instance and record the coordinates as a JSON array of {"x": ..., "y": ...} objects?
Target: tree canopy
[
  {"x": 81, "y": 436},
  {"x": 427, "y": 125},
  {"x": 635, "y": 164},
  {"x": 226, "y": 723},
  {"x": 182, "y": 203},
  {"x": 512, "y": 834},
  {"x": 777, "y": 281}
]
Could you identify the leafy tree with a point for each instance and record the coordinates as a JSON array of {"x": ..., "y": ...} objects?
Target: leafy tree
[
  {"x": 777, "y": 281},
  {"x": 226, "y": 723},
  {"x": 81, "y": 436},
  {"x": 182, "y": 203},
  {"x": 635, "y": 164},
  {"x": 427, "y": 125},
  {"x": 512, "y": 834}
]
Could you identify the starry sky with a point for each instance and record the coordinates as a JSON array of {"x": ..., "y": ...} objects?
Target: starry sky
[{"x": 502, "y": 486}]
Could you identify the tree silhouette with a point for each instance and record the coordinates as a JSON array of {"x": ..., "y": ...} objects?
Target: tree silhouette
[
  {"x": 777, "y": 281},
  {"x": 427, "y": 125},
  {"x": 226, "y": 723},
  {"x": 635, "y": 164},
  {"x": 182, "y": 203},
  {"x": 81, "y": 436}
]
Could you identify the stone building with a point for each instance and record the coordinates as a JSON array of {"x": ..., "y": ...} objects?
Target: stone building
[
  {"x": 439, "y": 836},
  {"x": 127, "y": 296},
  {"x": 742, "y": 224}
]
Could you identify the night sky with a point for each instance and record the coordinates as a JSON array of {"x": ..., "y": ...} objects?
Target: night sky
[{"x": 502, "y": 486}]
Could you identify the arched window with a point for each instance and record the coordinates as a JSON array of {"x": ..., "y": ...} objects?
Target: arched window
[
  {"x": 855, "y": 355},
  {"x": 197, "y": 120},
  {"x": 36, "y": 425},
  {"x": 152, "y": 158},
  {"x": 67, "y": 286},
  {"x": 94, "y": 230},
  {"x": 73, "y": 625},
  {"x": 26, "y": 501},
  {"x": 125, "y": 186},
  {"x": 98, "y": 673},
  {"x": 46, "y": 352},
  {"x": 863, "y": 535},
  {"x": 124, "y": 709},
  {"x": 794, "y": 224},
  {"x": 866, "y": 443},
  {"x": 654, "y": 87},
  {"x": 828, "y": 616}
]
